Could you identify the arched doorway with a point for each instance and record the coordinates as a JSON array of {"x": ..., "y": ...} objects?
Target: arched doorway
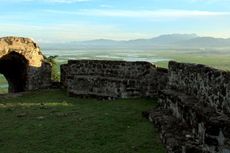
[{"x": 14, "y": 67}]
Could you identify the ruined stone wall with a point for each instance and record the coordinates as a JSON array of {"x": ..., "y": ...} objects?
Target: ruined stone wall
[
  {"x": 24, "y": 46},
  {"x": 193, "y": 116},
  {"x": 23, "y": 53},
  {"x": 112, "y": 79},
  {"x": 39, "y": 78},
  {"x": 211, "y": 86}
]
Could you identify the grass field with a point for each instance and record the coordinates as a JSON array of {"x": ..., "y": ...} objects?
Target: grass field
[
  {"x": 50, "y": 122},
  {"x": 220, "y": 61}
]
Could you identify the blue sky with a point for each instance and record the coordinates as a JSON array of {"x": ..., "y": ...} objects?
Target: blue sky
[{"x": 69, "y": 20}]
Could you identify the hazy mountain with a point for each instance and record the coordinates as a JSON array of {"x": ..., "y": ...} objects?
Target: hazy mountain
[
  {"x": 164, "y": 41},
  {"x": 173, "y": 38},
  {"x": 206, "y": 42}
]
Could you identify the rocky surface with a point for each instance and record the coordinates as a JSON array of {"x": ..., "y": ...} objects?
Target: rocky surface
[
  {"x": 23, "y": 64},
  {"x": 112, "y": 79}
]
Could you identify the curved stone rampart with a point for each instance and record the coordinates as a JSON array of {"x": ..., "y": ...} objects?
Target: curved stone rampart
[
  {"x": 194, "y": 112},
  {"x": 211, "y": 86}
]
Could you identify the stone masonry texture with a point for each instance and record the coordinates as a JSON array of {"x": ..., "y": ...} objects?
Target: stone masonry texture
[
  {"x": 193, "y": 113},
  {"x": 112, "y": 79}
]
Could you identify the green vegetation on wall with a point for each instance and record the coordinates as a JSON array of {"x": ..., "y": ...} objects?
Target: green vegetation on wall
[{"x": 55, "y": 74}]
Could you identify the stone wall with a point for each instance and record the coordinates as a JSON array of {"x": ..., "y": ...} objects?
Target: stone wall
[
  {"x": 211, "y": 86},
  {"x": 40, "y": 78},
  {"x": 194, "y": 110},
  {"x": 24, "y": 46},
  {"x": 112, "y": 79}
]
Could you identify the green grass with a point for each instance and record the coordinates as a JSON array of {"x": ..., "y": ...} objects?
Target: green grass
[
  {"x": 3, "y": 83},
  {"x": 220, "y": 61},
  {"x": 50, "y": 122}
]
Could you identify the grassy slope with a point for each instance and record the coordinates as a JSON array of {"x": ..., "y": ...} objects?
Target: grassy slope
[{"x": 50, "y": 122}]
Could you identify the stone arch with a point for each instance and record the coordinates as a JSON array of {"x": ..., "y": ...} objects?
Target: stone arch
[
  {"x": 23, "y": 64},
  {"x": 14, "y": 67}
]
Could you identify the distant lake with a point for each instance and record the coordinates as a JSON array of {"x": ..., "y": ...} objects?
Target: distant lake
[{"x": 105, "y": 55}]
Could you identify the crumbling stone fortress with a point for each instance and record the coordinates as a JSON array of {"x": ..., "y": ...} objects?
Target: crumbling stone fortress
[{"x": 194, "y": 100}]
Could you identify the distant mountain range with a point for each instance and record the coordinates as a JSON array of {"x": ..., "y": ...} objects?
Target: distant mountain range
[{"x": 171, "y": 41}]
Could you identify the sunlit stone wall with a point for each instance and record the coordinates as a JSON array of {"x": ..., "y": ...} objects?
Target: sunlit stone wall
[{"x": 112, "y": 79}]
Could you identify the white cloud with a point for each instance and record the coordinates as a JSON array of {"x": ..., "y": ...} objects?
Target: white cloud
[
  {"x": 47, "y": 1},
  {"x": 150, "y": 14},
  {"x": 65, "y": 1},
  {"x": 87, "y": 31}
]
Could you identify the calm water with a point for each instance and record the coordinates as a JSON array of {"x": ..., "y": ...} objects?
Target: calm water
[{"x": 105, "y": 55}]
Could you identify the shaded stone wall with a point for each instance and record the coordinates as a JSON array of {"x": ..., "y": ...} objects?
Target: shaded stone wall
[
  {"x": 211, "y": 86},
  {"x": 39, "y": 78},
  {"x": 112, "y": 79},
  {"x": 194, "y": 110},
  {"x": 22, "y": 55}
]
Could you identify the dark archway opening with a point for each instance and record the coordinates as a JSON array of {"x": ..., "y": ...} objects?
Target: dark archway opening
[{"x": 14, "y": 67}]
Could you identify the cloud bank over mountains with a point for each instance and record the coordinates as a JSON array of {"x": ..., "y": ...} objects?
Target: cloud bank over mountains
[{"x": 70, "y": 20}]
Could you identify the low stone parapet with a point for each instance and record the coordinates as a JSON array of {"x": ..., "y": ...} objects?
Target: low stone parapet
[
  {"x": 211, "y": 86},
  {"x": 113, "y": 79}
]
